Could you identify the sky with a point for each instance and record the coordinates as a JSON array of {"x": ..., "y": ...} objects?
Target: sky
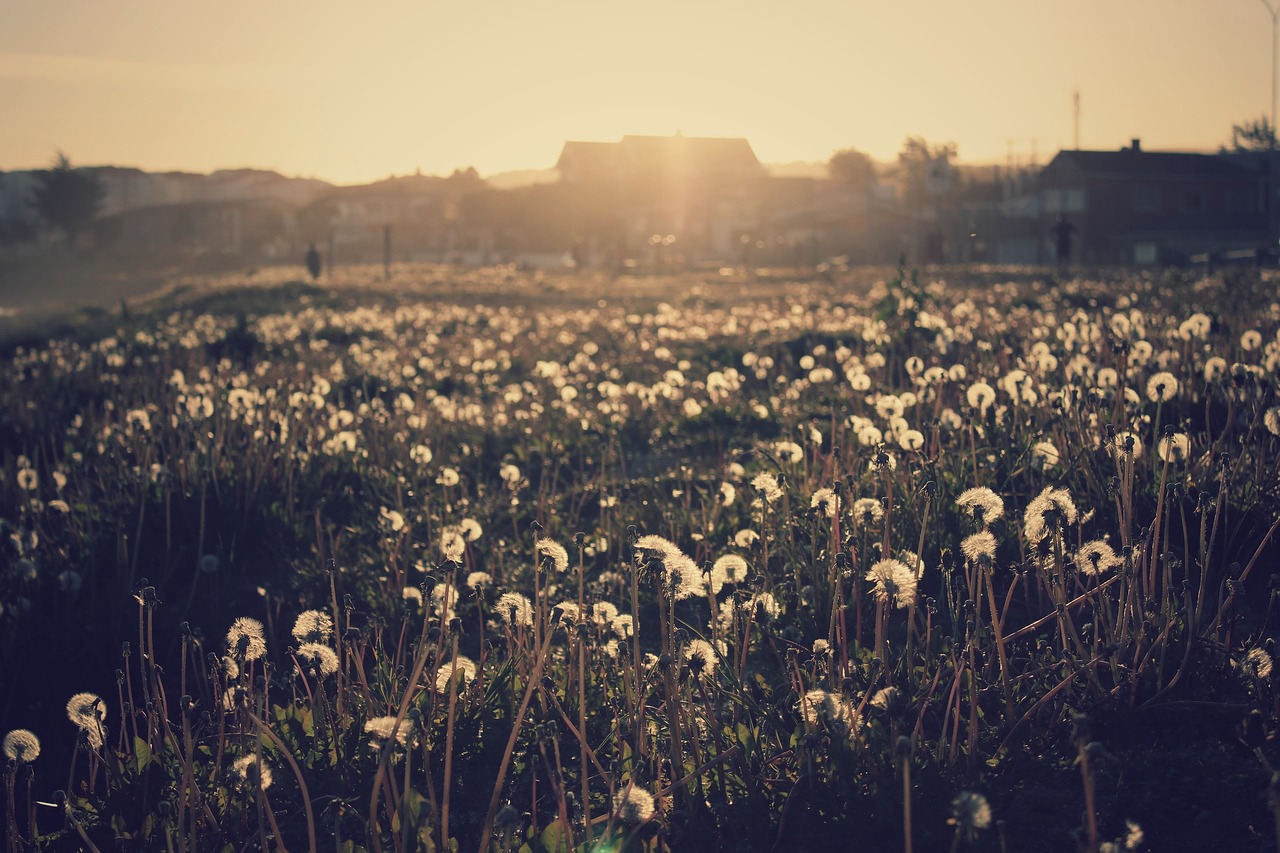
[{"x": 353, "y": 92}]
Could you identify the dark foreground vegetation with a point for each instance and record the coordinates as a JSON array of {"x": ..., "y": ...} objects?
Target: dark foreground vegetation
[{"x": 493, "y": 561}]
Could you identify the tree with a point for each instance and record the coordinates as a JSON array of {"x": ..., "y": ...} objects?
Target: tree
[
  {"x": 852, "y": 167},
  {"x": 66, "y": 198},
  {"x": 1257, "y": 135},
  {"x": 923, "y": 170}
]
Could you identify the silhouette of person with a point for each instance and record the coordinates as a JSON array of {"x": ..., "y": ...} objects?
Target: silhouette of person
[
  {"x": 313, "y": 261},
  {"x": 1063, "y": 232}
]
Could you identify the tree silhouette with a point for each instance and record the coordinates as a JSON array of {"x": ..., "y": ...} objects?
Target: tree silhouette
[
  {"x": 66, "y": 198},
  {"x": 923, "y": 170},
  {"x": 1257, "y": 135},
  {"x": 852, "y": 167}
]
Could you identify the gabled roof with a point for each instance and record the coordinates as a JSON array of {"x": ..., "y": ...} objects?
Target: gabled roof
[
  {"x": 589, "y": 155},
  {"x": 1128, "y": 162},
  {"x": 694, "y": 153},
  {"x": 674, "y": 155}
]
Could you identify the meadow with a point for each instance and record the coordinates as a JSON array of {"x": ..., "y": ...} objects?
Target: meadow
[{"x": 501, "y": 560}]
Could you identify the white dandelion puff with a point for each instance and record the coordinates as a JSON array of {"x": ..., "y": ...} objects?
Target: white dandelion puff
[{"x": 246, "y": 640}]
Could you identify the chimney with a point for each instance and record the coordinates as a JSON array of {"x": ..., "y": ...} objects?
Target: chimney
[{"x": 1135, "y": 144}]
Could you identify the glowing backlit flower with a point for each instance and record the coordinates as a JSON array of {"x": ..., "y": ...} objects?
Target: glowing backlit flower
[
  {"x": 89, "y": 712},
  {"x": 22, "y": 746},
  {"x": 633, "y": 804},
  {"x": 1174, "y": 449},
  {"x": 313, "y": 626},
  {"x": 553, "y": 553},
  {"x": 514, "y": 609},
  {"x": 251, "y": 773},
  {"x": 978, "y": 547},
  {"x": 826, "y": 501},
  {"x": 1095, "y": 557},
  {"x": 460, "y": 667},
  {"x": 985, "y": 505},
  {"x": 315, "y": 657},
  {"x": 245, "y": 639},
  {"x": 1050, "y": 510},
  {"x": 894, "y": 582},
  {"x": 1162, "y": 387},
  {"x": 766, "y": 485}
]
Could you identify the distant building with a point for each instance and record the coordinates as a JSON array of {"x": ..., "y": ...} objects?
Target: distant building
[
  {"x": 699, "y": 191},
  {"x": 1154, "y": 207}
]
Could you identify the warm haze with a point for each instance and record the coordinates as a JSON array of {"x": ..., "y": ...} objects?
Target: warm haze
[{"x": 351, "y": 94}]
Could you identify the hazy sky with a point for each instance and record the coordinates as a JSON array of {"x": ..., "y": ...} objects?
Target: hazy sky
[{"x": 351, "y": 92}]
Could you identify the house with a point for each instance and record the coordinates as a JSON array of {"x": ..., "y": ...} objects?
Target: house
[
  {"x": 1155, "y": 207},
  {"x": 697, "y": 191}
]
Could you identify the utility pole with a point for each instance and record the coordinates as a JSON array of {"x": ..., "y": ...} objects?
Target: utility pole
[
  {"x": 1075, "y": 119},
  {"x": 1274, "y": 10},
  {"x": 386, "y": 252}
]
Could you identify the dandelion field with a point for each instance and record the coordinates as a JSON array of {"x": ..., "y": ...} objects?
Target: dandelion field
[{"x": 501, "y": 561}]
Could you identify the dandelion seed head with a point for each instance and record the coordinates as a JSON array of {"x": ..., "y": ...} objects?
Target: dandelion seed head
[
  {"x": 633, "y": 804},
  {"x": 700, "y": 657},
  {"x": 624, "y": 626},
  {"x": 313, "y": 626},
  {"x": 867, "y": 511},
  {"x": 1044, "y": 455},
  {"x": 470, "y": 529},
  {"x": 245, "y": 639},
  {"x": 829, "y": 711},
  {"x": 764, "y": 605},
  {"x": 22, "y": 746},
  {"x": 826, "y": 501},
  {"x": 728, "y": 568},
  {"x": 1174, "y": 449},
  {"x": 1129, "y": 444},
  {"x": 894, "y": 582},
  {"x": 313, "y": 656},
  {"x": 682, "y": 578},
  {"x": 603, "y": 613},
  {"x": 1162, "y": 387},
  {"x": 550, "y": 551},
  {"x": 89, "y": 713},
  {"x": 789, "y": 451},
  {"x": 984, "y": 505},
  {"x": 1258, "y": 663},
  {"x": 766, "y": 485},
  {"x": 1051, "y": 508},
  {"x": 381, "y": 727},
  {"x": 884, "y": 698},
  {"x": 980, "y": 396},
  {"x": 1272, "y": 420},
  {"x": 970, "y": 812},
  {"x": 251, "y": 772},
  {"x": 453, "y": 545},
  {"x": 459, "y": 668},
  {"x": 514, "y": 609},
  {"x": 28, "y": 480},
  {"x": 980, "y": 546},
  {"x": 1095, "y": 557}
]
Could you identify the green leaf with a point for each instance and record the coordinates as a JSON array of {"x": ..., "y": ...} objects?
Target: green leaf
[
  {"x": 141, "y": 756},
  {"x": 554, "y": 839}
]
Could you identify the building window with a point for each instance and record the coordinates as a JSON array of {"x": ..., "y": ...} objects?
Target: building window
[
  {"x": 1191, "y": 200},
  {"x": 1146, "y": 200},
  {"x": 1144, "y": 254},
  {"x": 1242, "y": 200},
  {"x": 1064, "y": 200}
]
